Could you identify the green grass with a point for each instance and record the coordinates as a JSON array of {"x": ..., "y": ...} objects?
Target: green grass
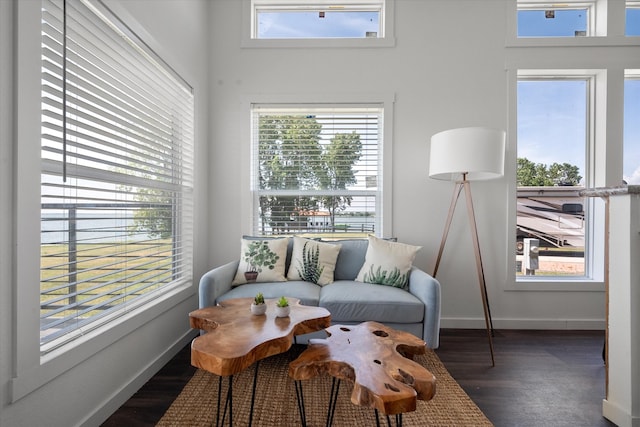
[{"x": 116, "y": 270}]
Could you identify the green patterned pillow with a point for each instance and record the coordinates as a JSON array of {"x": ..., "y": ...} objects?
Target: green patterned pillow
[
  {"x": 261, "y": 261},
  {"x": 387, "y": 263},
  {"x": 313, "y": 261}
]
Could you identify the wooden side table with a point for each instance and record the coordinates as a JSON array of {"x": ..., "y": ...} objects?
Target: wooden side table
[
  {"x": 377, "y": 359},
  {"x": 236, "y": 339}
]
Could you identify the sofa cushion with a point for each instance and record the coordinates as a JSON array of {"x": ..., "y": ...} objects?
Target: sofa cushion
[
  {"x": 352, "y": 301},
  {"x": 387, "y": 263},
  {"x": 313, "y": 261},
  {"x": 308, "y": 293},
  {"x": 350, "y": 258},
  {"x": 264, "y": 257}
]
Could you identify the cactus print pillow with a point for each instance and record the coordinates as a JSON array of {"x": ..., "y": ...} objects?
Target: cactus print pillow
[
  {"x": 387, "y": 263},
  {"x": 313, "y": 261}
]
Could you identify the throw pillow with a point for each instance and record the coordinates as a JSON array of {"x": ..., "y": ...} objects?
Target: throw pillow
[
  {"x": 261, "y": 261},
  {"x": 387, "y": 263},
  {"x": 313, "y": 261},
  {"x": 289, "y": 247}
]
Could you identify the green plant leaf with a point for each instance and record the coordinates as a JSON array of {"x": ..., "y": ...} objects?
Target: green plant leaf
[
  {"x": 309, "y": 268},
  {"x": 383, "y": 277}
]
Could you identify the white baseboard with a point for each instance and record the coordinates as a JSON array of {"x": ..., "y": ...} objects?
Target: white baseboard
[
  {"x": 618, "y": 415},
  {"x": 119, "y": 397},
  {"x": 538, "y": 324}
]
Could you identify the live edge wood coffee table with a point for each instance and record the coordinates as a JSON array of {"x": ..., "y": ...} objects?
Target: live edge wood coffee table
[
  {"x": 377, "y": 359},
  {"x": 235, "y": 339}
]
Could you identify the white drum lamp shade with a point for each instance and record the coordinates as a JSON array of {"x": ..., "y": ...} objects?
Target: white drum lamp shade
[{"x": 472, "y": 153}]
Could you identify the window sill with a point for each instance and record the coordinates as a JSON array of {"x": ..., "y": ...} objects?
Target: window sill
[
  {"x": 608, "y": 41},
  {"x": 80, "y": 350},
  {"x": 578, "y": 284},
  {"x": 364, "y": 43}
]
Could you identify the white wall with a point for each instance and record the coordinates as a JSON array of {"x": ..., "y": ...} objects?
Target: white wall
[
  {"x": 87, "y": 385},
  {"x": 448, "y": 69}
]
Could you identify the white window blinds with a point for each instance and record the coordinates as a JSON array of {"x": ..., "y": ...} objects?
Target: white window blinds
[
  {"x": 117, "y": 171},
  {"x": 317, "y": 170}
]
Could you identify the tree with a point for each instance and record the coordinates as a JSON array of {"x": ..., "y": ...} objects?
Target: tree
[
  {"x": 153, "y": 212},
  {"x": 338, "y": 160},
  {"x": 289, "y": 150},
  {"x": 293, "y": 157},
  {"x": 530, "y": 174},
  {"x": 157, "y": 219},
  {"x": 564, "y": 174}
]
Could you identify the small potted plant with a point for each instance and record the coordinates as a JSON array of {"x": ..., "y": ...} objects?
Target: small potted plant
[
  {"x": 282, "y": 307},
  {"x": 258, "y": 307}
]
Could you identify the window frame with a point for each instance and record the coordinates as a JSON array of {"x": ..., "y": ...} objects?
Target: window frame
[
  {"x": 629, "y": 75},
  {"x": 261, "y": 110},
  {"x": 590, "y": 6},
  {"x": 594, "y": 208},
  {"x": 573, "y": 190},
  {"x": 31, "y": 370},
  {"x": 249, "y": 26},
  {"x": 386, "y": 101},
  {"x": 114, "y": 139},
  {"x": 609, "y": 27}
]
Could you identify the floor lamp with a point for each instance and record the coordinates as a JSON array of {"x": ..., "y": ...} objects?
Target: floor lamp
[{"x": 464, "y": 155}]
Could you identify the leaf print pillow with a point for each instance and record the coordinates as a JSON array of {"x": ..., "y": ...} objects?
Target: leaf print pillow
[
  {"x": 261, "y": 261},
  {"x": 313, "y": 261},
  {"x": 387, "y": 263}
]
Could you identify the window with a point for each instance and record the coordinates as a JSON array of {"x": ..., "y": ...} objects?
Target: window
[
  {"x": 553, "y": 142},
  {"x": 316, "y": 170},
  {"x": 117, "y": 172},
  {"x": 319, "y": 23},
  {"x": 632, "y": 25},
  {"x": 631, "y": 166},
  {"x": 544, "y": 19},
  {"x": 321, "y": 19}
]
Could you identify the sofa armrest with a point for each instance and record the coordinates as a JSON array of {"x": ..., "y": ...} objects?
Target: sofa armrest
[
  {"x": 427, "y": 289},
  {"x": 215, "y": 283}
]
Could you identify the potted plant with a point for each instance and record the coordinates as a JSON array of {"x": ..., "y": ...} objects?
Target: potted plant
[
  {"x": 282, "y": 307},
  {"x": 257, "y": 256},
  {"x": 258, "y": 307}
]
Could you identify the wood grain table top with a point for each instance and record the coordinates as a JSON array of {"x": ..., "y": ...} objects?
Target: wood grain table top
[
  {"x": 235, "y": 338},
  {"x": 377, "y": 359}
]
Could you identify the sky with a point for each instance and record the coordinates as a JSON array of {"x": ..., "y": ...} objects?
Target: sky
[
  {"x": 552, "y": 121},
  {"x": 305, "y": 24},
  {"x": 551, "y": 116}
]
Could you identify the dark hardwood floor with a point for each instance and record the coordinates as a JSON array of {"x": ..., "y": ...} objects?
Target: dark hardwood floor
[{"x": 541, "y": 378}]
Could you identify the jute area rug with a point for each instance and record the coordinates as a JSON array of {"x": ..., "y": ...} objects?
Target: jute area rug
[{"x": 276, "y": 403}]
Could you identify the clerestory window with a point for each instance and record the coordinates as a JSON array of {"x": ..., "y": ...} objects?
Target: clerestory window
[
  {"x": 318, "y": 23},
  {"x": 320, "y": 19},
  {"x": 117, "y": 172},
  {"x": 317, "y": 170},
  {"x": 567, "y": 19}
]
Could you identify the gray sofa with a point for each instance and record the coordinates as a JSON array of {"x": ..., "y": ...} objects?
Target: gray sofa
[{"x": 416, "y": 311}]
